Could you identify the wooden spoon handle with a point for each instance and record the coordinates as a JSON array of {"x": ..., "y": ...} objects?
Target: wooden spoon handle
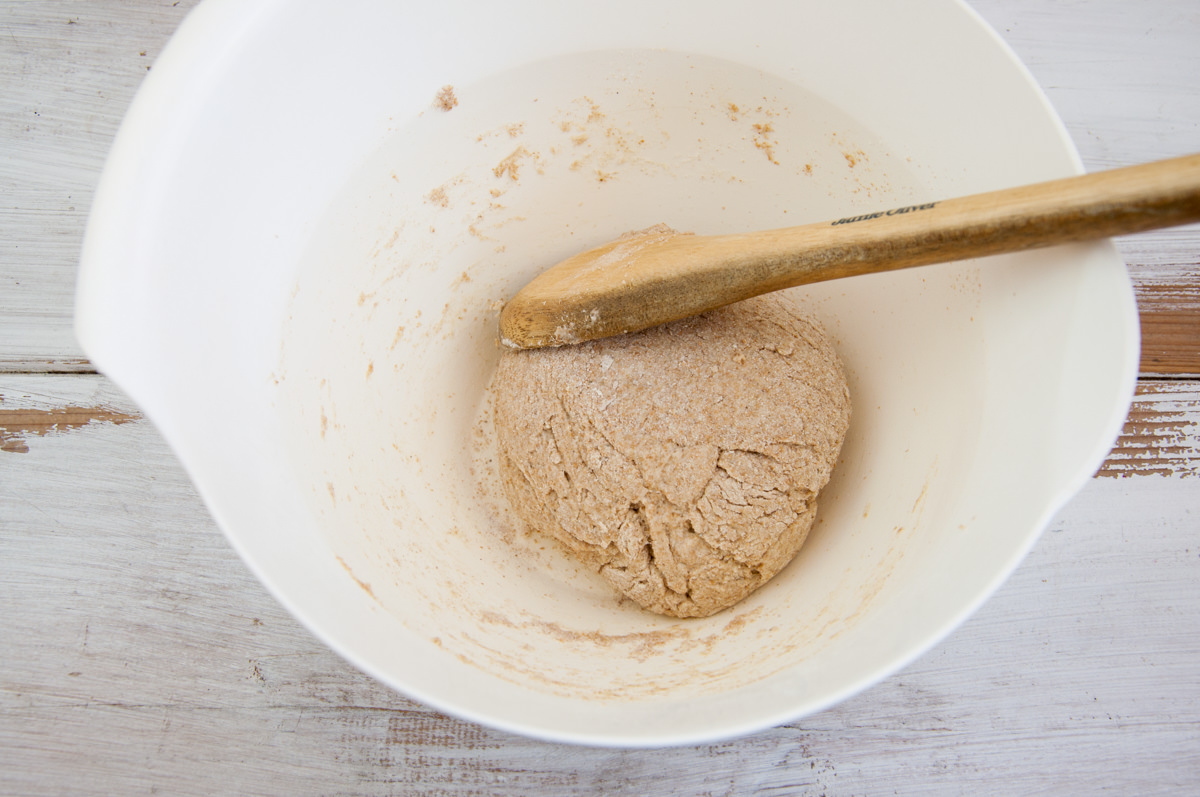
[
  {"x": 605, "y": 292},
  {"x": 1117, "y": 202}
]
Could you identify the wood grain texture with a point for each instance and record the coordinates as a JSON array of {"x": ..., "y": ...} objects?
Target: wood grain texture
[
  {"x": 140, "y": 656},
  {"x": 69, "y": 70}
]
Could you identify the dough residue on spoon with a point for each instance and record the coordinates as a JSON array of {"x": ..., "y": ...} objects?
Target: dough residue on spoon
[{"x": 682, "y": 463}]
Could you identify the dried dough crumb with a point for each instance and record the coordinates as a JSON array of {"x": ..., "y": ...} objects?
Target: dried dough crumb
[{"x": 446, "y": 100}]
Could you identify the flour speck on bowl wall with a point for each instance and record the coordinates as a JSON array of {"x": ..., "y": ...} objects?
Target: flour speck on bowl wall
[{"x": 315, "y": 210}]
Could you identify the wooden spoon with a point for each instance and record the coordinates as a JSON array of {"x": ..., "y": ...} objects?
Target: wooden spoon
[{"x": 659, "y": 275}]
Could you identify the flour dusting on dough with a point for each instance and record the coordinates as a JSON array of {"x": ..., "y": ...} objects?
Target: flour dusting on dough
[{"x": 682, "y": 463}]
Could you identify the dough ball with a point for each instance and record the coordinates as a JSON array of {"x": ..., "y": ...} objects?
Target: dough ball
[{"x": 684, "y": 462}]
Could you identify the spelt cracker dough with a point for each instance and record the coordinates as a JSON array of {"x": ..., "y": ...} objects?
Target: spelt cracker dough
[{"x": 684, "y": 462}]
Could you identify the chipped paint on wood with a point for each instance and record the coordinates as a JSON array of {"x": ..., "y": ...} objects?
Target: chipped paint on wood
[
  {"x": 1165, "y": 271},
  {"x": 17, "y": 426},
  {"x": 1168, "y": 301},
  {"x": 1161, "y": 436}
]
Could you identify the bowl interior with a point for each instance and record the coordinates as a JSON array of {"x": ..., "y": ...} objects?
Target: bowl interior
[{"x": 335, "y": 412}]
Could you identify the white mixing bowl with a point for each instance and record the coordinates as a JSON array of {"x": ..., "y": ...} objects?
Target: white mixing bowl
[{"x": 301, "y": 241}]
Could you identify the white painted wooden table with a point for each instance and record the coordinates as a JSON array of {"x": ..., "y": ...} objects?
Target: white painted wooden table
[{"x": 138, "y": 655}]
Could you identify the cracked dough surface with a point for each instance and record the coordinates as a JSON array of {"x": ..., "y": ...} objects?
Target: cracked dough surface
[{"x": 683, "y": 463}]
